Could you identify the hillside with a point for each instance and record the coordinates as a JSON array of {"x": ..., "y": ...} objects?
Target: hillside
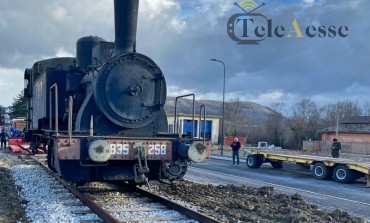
[{"x": 184, "y": 105}]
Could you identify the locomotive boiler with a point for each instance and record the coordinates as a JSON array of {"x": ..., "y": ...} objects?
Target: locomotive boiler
[{"x": 100, "y": 115}]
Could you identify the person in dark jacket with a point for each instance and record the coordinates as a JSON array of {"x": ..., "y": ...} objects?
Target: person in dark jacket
[
  {"x": 235, "y": 147},
  {"x": 335, "y": 147},
  {"x": 4, "y": 137}
]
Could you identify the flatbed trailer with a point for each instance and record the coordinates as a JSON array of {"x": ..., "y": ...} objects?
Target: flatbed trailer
[{"x": 322, "y": 168}]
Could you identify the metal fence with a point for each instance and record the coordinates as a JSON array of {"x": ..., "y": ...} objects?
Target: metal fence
[{"x": 347, "y": 147}]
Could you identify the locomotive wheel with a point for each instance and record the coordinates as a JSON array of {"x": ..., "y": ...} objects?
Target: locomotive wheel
[
  {"x": 278, "y": 164},
  {"x": 254, "y": 161},
  {"x": 321, "y": 172},
  {"x": 50, "y": 155},
  {"x": 33, "y": 148},
  {"x": 344, "y": 175}
]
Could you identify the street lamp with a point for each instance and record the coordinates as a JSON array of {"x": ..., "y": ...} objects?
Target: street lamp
[{"x": 223, "y": 109}]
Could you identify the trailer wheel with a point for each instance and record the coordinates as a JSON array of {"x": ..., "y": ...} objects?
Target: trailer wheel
[
  {"x": 254, "y": 161},
  {"x": 344, "y": 175},
  {"x": 321, "y": 172},
  {"x": 278, "y": 164}
]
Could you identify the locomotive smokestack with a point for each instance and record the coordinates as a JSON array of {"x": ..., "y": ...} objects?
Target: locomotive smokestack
[{"x": 125, "y": 21}]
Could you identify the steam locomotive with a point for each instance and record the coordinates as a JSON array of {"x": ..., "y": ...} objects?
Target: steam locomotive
[{"x": 100, "y": 116}]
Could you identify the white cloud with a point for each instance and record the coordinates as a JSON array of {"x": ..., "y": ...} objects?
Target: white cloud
[
  {"x": 3, "y": 24},
  {"x": 181, "y": 37},
  {"x": 151, "y": 9},
  {"x": 308, "y": 2},
  {"x": 178, "y": 25},
  {"x": 177, "y": 91},
  {"x": 2, "y": 84},
  {"x": 63, "y": 53},
  {"x": 11, "y": 84},
  {"x": 59, "y": 13}
]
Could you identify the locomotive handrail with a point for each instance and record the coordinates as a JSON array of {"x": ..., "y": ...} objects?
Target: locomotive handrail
[
  {"x": 200, "y": 121},
  {"x": 91, "y": 126},
  {"x": 175, "y": 123},
  {"x": 70, "y": 109},
  {"x": 55, "y": 86}
]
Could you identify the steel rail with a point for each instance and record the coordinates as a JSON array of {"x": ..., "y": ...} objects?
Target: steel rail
[
  {"x": 103, "y": 214},
  {"x": 106, "y": 216}
]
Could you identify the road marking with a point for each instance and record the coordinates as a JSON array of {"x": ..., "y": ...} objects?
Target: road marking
[{"x": 282, "y": 186}]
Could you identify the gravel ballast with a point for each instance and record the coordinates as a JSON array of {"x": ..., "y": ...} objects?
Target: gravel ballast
[{"x": 28, "y": 194}]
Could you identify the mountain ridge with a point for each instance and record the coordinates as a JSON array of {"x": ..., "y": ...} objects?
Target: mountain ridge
[{"x": 213, "y": 107}]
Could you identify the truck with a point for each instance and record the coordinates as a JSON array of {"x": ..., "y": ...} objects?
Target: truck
[{"x": 321, "y": 168}]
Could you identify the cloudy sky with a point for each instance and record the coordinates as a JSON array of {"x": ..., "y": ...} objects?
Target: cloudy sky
[{"x": 182, "y": 36}]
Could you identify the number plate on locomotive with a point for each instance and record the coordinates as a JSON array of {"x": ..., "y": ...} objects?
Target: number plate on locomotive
[
  {"x": 151, "y": 149},
  {"x": 119, "y": 149}
]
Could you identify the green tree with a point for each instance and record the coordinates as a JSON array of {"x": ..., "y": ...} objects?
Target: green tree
[{"x": 19, "y": 106}]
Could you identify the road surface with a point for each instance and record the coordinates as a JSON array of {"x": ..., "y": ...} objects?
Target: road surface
[{"x": 353, "y": 198}]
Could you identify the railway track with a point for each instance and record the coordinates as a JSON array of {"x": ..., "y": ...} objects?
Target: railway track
[{"x": 102, "y": 202}]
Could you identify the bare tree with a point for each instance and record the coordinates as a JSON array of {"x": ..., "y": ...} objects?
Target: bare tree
[
  {"x": 234, "y": 117},
  {"x": 331, "y": 112},
  {"x": 349, "y": 108},
  {"x": 303, "y": 121},
  {"x": 274, "y": 124},
  {"x": 366, "y": 108},
  {"x": 254, "y": 130}
]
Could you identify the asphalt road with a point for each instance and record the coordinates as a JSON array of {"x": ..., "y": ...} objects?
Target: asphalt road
[{"x": 353, "y": 198}]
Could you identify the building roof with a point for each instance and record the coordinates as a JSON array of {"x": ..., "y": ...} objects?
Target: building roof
[
  {"x": 348, "y": 128},
  {"x": 356, "y": 120},
  {"x": 353, "y": 124}
]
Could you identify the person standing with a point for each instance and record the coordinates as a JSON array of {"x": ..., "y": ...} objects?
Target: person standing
[
  {"x": 235, "y": 147},
  {"x": 3, "y": 137},
  {"x": 335, "y": 147},
  {"x": 12, "y": 130}
]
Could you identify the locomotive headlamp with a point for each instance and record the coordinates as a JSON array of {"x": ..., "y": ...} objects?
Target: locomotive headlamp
[
  {"x": 197, "y": 152},
  {"x": 99, "y": 151}
]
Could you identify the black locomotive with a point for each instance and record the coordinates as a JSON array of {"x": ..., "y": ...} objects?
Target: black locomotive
[{"x": 100, "y": 116}]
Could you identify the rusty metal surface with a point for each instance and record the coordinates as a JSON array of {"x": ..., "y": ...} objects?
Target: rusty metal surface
[{"x": 121, "y": 148}]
